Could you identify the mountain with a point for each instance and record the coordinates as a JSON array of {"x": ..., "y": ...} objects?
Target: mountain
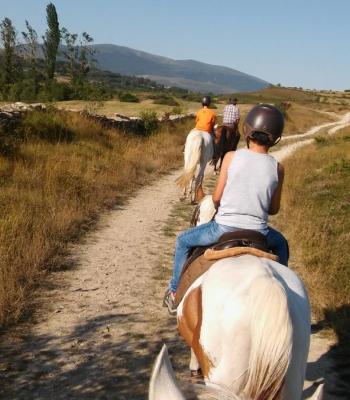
[{"x": 188, "y": 74}]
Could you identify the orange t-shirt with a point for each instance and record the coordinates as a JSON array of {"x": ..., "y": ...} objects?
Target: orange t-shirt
[{"x": 205, "y": 120}]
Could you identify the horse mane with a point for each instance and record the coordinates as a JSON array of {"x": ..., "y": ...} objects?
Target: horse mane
[
  {"x": 193, "y": 150},
  {"x": 271, "y": 340}
]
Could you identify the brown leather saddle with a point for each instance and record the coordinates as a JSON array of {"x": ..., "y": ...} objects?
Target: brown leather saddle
[{"x": 197, "y": 264}]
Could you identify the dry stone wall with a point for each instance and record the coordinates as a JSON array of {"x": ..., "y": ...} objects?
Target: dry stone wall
[{"x": 11, "y": 114}]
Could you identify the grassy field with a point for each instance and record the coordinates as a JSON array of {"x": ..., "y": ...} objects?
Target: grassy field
[
  {"x": 110, "y": 107},
  {"x": 315, "y": 219},
  {"x": 65, "y": 171},
  {"x": 299, "y": 117}
]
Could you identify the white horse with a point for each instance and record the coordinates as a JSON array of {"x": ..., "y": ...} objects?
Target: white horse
[
  {"x": 198, "y": 152},
  {"x": 247, "y": 321}
]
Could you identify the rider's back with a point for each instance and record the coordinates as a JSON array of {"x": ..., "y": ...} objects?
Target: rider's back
[
  {"x": 205, "y": 120},
  {"x": 251, "y": 181}
]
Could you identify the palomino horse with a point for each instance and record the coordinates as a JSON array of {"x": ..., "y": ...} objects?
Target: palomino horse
[
  {"x": 226, "y": 139},
  {"x": 247, "y": 321},
  {"x": 198, "y": 152}
]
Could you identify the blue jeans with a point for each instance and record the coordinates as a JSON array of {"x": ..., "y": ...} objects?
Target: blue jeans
[
  {"x": 202, "y": 235},
  {"x": 278, "y": 244},
  {"x": 209, "y": 233}
]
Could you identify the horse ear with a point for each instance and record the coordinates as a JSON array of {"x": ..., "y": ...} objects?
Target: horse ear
[
  {"x": 318, "y": 395},
  {"x": 163, "y": 385}
]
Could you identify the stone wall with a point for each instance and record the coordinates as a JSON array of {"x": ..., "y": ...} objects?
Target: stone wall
[{"x": 11, "y": 114}]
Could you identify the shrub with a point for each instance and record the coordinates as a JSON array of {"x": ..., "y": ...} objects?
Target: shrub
[
  {"x": 177, "y": 110},
  {"x": 49, "y": 125},
  {"x": 56, "y": 91},
  {"x": 164, "y": 99},
  {"x": 9, "y": 142},
  {"x": 150, "y": 121},
  {"x": 128, "y": 97}
]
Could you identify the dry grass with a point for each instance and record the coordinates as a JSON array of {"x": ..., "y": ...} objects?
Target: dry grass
[
  {"x": 301, "y": 118},
  {"x": 315, "y": 219},
  {"x": 111, "y": 107},
  {"x": 52, "y": 189}
]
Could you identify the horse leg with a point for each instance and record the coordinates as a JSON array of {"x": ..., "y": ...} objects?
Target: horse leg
[
  {"x": 189, "y": 325},
  {"x": 194, "y": 364}
]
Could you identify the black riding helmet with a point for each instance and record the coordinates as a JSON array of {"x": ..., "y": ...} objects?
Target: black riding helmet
[
  {"x": 266, "y": 119},
  {"x": 206, "y": 101}
]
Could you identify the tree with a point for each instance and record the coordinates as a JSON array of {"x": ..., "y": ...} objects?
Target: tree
[
  {"x": 51, "y": 40},
  {"x": 86, "y": 54},
  {"x": 8, "y": 38},
  {"x": 70, "y": 52},
  {"x": 31, "y": 39},
  {"x": 78, "y": 54}
]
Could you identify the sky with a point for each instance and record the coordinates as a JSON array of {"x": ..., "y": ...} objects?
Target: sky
[{"x": 293, "y": 42}]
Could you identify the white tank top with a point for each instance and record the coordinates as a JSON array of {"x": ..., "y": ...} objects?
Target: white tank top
[{"x": 251, "y": 181}]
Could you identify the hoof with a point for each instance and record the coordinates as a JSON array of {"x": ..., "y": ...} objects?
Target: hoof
[{"x": 197, "y": 376}]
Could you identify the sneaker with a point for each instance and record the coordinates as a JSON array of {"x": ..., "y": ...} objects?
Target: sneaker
[{"x": 169, "y": 302}]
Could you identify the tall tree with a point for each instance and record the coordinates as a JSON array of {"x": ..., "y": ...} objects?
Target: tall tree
[
  {"x": 71, "y": 53},
  {"x": 51, "y": 40},
  {"x": 31, "y": 50},
  {"x": 79, "y": 55},
  {"x": 86, "y": 56},
  {"x": 8, "y": 38}
]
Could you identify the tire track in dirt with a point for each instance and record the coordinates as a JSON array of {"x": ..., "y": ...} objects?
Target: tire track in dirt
[{"x": 100, "y": 323}]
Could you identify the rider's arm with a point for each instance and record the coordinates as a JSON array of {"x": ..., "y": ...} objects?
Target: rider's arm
[
  {"x": 276, "y": 197},
  {"x": 220, "y": 185}
]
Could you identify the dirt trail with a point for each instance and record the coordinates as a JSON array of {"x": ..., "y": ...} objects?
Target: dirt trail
[{"x": 100, "y": 323}]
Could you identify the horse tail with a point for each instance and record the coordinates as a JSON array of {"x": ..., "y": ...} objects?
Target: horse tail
[
  {"x": 193, "y": 151},
  {"x": 271, "y": 340}
]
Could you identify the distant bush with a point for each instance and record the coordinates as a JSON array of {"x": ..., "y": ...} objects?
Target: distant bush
[
  {"x": 49, "y": 125},
  {"x": 128, "y": 97},
  {"x": 177, "y": 110},
  {"x": 56, "y": 91},
  {"x": 197, "y": 97},
  {"x": 163, "y": 99},
  {"x": 151, "y": 122}
]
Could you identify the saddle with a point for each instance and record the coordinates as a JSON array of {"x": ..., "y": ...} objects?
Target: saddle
[{"x": 230, "y": 244}]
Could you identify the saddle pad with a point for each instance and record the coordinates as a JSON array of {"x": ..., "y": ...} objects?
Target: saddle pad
[
  {"x": 211, "y": 254},
  {"x": 197, "y": 268},
  {"x": 202, "y": 263}
]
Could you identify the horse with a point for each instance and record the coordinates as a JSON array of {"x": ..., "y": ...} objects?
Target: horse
[
  {"x": 198, "y": 152},
  {"x": 226, "y": 139},
  {"x": 247, "y": 322}
]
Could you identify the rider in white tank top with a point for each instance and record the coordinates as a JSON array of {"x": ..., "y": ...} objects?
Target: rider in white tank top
[{"x": 251, "y": 181}]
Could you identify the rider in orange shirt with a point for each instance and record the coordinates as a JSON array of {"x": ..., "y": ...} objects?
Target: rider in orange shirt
[{"x": 205, "y": 118}]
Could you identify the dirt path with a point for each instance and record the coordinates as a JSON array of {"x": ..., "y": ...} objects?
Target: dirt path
[{"x": 101, "y": 323}]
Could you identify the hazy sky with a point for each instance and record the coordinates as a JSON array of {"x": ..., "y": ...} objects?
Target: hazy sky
[{"x": 293, "y": 42}]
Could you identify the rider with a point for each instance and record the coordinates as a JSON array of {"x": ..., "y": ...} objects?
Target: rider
[
  {"x": 205, "y": 118},
  {"x": 232, "y": 114},
  {"x": 205, "y": 121},
  {"x": 248, "y": 189}
]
